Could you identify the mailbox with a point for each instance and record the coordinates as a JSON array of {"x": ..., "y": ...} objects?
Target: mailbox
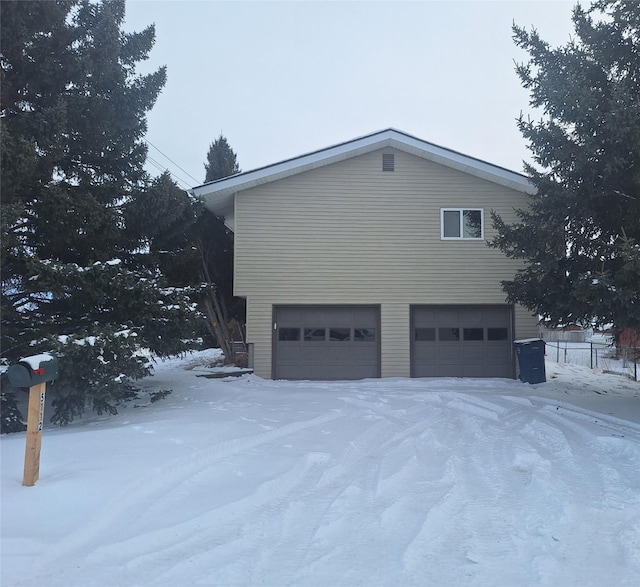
[{"x": 33, "y": 370}]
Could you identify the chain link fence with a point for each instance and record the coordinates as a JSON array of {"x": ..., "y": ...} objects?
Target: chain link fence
[{"x": 598, "y": 354}]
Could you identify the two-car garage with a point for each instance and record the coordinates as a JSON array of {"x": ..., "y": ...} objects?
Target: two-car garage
[{"x": 334, "y": 342}]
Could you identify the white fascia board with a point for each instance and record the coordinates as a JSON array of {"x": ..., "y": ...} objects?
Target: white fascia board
[
  {"x": 218, "y": 195},
  {"x": 293, "y": 166},
  {"x": 470, "y": 165}
]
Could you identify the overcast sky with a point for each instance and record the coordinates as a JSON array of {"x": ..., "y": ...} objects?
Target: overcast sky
[{"x": 280, "y": 79}]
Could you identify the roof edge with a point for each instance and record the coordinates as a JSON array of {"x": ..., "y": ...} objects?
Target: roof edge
[{"x": 219, "y": 192}]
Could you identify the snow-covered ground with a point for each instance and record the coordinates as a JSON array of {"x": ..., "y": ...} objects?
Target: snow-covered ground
[
  {"x": 598, "y": 353},
  {"x": 242, "y": 481}
]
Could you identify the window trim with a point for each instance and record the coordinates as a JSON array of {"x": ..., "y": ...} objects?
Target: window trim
[{"x": 461, "y": 237}]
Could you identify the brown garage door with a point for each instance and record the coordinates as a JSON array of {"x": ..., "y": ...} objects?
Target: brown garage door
[
  {"x": 326, "y": 342},
  {"x": 462, "y": 341}
]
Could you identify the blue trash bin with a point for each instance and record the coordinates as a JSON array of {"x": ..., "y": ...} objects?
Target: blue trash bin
[{"x": 530, "y": 354}]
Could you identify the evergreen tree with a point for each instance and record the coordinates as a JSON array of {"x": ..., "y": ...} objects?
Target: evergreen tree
[
  {"x": 214, "y": 242},
  {"x": 192, "y": 247},
  {"x": 80, "y": 278},
  {"x": 580, "y": 237},
  {"x": 221, "y": 160},
  {"x": 225, "y": 313},
  {"x": 163, "y": 218}
]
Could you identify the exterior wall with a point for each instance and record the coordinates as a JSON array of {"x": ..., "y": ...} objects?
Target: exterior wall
[
  {"x": 629, "y": 337},
  {"x": 351, "y": 233},
  {"x": 526, "y": 324},
  {"x": 259, "y": 332},
  {"x": 396, "y": 339}
]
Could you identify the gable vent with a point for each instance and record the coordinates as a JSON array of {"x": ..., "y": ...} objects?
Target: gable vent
[{"x": 388, "y": 163}]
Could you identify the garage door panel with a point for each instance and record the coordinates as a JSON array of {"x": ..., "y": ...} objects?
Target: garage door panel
[
  {"x": 315, "y": 317},
  {"x": 312, "y": 355},
  {"x": 426, "y": 355},
  {"x": 339, "y": 355},
  {"x": 337, "y": 372},
  {"x": 448, "y": 316},
  {"x": 425, "y": 316},
  {"x": 289, "y": 354},
  {"x": 448, "y": 353},
  {"x": 289, "y": 317},
  {"x": 497, "y": 317},
  {"x": 471, "y": 318},
  {"x": 470, "y": 341},
  {"x": 497, "y": 351},
  {"x": 336, "y": 342},
  {"x": 472, "y": 371},
  {"x": 473, "y": 351},
  {"x": 364, "y": 316},
  {"x": 364, "y": 354},
  {"x": 323, "y": 372}
]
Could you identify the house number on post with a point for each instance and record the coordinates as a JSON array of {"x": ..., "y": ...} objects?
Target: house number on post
[
  {"x": 41, "y": 419},
  {"x": 33, "y": 372}
]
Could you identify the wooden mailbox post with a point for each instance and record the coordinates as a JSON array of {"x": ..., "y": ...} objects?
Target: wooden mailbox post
[{"x": 33, "y": 372}]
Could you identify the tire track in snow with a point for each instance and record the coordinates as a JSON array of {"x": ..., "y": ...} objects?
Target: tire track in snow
[
  {"x": 231, "y": 543},
  {"x": 372, "y": 510},
  {"x": 450, "y": 515},
  {"x": 129, "y": 503},
  {"x": 322, "y": 506},
  {"x": 412, "y": 486},
  {"x": 216, "y": 546},
  {"x": 543, "y": 515},
  {"x": 604, "y": 485},
  {"x": 424, "y": 472},
  {"x": 578, "y": 433},
  {"x": 301, "y": 529}
]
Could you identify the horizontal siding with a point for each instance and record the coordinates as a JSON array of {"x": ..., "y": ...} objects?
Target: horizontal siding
[
  {"x": 373, "y": 236},
  {"x": 259, "y": 325},
  {"x": 395, "y": 338},
  {"x": 526, "y": 324},
  {"x": 349, "y": 233}
]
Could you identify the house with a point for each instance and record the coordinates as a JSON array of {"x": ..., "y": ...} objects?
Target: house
[
  {"x": 628, "y": 344},
  {"x": 629, "y": 337},
  {"x": 369, "y": 259},
  {"x": 568, "y": 333}
]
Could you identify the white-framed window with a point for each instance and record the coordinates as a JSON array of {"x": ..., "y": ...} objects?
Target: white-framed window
[{"x": 461, "y": 223}]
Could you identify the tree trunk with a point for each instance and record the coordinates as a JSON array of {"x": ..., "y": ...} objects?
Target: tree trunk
[
  {"x": 215, "y": 311},
  {"x": 217, "y": 325}
]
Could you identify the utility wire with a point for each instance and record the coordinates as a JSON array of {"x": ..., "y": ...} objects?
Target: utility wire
[
  {"x": 172, "y": 161},
  {"x": 160, "y": 167}
]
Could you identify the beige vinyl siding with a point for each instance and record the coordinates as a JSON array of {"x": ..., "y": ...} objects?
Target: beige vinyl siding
[
  {"x": 349, "y": 233},
  {"x": 259, "y": 333},
  {"x": 526, "y": 324},
  {"x": 395, "y": 337}
]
